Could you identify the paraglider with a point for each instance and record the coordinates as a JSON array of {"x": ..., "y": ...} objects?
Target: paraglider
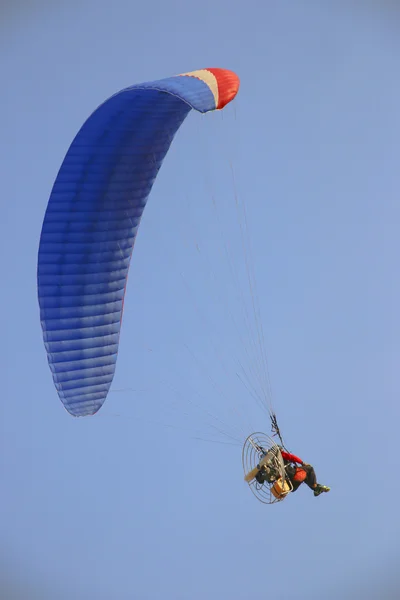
[
  {"x": 92, "y": 219},
  {"x": 86, "y": 243},
  {"x": 272, "y": 472},
  {"x": 304, "y": 473}
]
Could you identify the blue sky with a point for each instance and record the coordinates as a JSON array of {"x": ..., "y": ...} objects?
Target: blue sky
[{"x": 128, "y": 504}]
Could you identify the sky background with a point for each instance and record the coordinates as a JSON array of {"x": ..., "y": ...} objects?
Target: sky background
[{"x": 130, "y": 504}]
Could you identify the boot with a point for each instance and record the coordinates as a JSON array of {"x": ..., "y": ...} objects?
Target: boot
[{"x": 320, "y": 488}]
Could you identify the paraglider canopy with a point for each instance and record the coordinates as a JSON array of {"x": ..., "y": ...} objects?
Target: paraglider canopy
[{"x": 92, "y": 219}]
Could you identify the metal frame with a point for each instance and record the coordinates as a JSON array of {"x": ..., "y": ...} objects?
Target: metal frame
[{"x": 255, "y": 449}]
